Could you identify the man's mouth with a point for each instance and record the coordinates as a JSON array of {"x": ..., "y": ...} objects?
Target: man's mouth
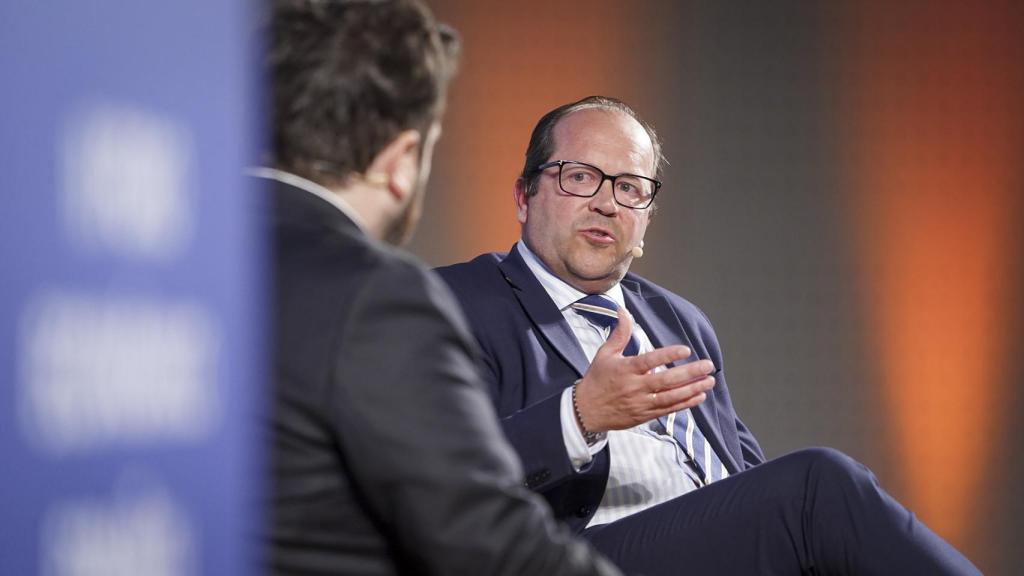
[{"x": 598, "y": 235}]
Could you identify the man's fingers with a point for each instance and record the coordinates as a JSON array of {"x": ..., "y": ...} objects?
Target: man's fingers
[
  {"x": 677, "y": 376},
  {"x": 646, "y": 362},
  {"x": 676, "y": 399},
  {"x": 690, "y": 402}
]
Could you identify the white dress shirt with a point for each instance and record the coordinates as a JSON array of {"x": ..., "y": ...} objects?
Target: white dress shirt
[{"x": 648, "y": 466}]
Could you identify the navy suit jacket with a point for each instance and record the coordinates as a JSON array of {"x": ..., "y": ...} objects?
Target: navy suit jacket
[{"x": 531, "y": 355}]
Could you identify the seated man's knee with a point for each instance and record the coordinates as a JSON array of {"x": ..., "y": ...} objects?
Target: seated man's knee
[{"x": 832, "y": 465}]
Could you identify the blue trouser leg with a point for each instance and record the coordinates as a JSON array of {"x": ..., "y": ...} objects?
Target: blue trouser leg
[{"x": 815, "y": 511}]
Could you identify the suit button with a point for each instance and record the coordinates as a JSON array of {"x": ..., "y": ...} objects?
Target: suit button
[
  {"x": 583, "y": 512},
  {"x": 537, "y": 478}
]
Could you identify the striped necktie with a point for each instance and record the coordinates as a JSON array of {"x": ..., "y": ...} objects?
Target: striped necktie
[{"x": 601, "y": 311}]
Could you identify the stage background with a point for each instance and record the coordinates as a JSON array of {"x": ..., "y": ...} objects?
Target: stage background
[{"x": 844, "y": 201}]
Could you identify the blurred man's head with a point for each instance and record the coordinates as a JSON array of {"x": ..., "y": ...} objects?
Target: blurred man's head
[
  {"x": 357, "y": 93},
  {"x": 586, "y": 193}
]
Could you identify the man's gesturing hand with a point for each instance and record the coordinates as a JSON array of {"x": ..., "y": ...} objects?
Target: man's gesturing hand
[{"x": 619, "y": 392}]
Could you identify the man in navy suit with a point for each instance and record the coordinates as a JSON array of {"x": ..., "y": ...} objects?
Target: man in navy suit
[{"x": 612, "y": 389}]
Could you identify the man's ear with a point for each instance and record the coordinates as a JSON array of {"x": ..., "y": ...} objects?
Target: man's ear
[
  {"x": 397, "y": 165},
  {"x": 519, "y": 195}
]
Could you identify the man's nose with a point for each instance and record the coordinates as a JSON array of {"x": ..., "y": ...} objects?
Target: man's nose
[{"x": 604, "y": 200}]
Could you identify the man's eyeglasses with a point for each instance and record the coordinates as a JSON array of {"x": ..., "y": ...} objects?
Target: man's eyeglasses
[{"x": 582, "y": 179}]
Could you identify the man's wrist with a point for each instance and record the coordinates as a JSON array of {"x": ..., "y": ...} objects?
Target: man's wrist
[{"x": 590, "y": 437}]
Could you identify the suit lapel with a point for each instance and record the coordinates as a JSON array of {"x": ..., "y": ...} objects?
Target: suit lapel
[
  {"x": 542, "y": 311},
  {"x": 659, "y": 321}
]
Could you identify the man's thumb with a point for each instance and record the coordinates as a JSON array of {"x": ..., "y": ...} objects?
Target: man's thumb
[{"x": 619, "y": 337}]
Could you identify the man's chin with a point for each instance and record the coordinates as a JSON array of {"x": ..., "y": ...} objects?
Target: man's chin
[
  {"x": 591, "y": 276},
  {"x": 597, "y": 263}
]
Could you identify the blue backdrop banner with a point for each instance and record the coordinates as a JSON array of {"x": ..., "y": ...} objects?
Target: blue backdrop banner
[{"x": 131, "y": 292}]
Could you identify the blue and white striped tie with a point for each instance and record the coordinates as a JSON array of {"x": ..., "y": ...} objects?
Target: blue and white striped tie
[
  {"x": 688, "y": 435},
  {"x": 601, "y": 311}
]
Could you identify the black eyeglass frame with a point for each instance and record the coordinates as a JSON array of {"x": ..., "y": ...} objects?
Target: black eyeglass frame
[{"x": 562, "y": 163}]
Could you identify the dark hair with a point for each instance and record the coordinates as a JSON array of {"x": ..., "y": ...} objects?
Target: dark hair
[
  {"x": 542, "y": 142},
  {"x": 346, "y": 77}
]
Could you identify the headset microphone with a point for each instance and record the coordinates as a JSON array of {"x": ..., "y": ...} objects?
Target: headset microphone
[{"x": 638, "y": 251}]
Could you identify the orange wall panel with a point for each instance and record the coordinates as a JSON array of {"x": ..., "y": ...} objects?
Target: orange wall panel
[
  {"x": 934, "y": 107},
  {"x": 521, "y": 59}
]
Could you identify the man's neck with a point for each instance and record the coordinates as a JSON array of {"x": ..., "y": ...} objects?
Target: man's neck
[
  {"x": 561, "y": 292},
  {"x": 598, "y": 286}
]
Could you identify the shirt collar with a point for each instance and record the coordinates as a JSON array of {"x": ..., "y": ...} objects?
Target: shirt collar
[
  {"x": 312, "y": 188},
  {"x": 561, "y": 293}
]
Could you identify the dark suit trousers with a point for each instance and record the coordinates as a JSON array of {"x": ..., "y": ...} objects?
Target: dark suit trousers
[{"x": 815, "y": 511}]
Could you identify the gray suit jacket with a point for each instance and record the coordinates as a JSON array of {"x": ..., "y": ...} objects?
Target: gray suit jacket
[{"x": 386, "y": 456}]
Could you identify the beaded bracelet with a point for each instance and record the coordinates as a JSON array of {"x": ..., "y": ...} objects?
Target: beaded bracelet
[{"x": 590, "y": 437}]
